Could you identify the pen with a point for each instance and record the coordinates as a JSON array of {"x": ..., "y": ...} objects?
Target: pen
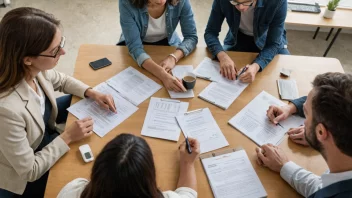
[
  {"x": 188, "y": 146},
  {"x": 278, "y": 124},
  {"x": 243, "y": 70}
]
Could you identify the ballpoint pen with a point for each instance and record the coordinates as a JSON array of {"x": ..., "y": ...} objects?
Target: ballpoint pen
[
  {"x": 188, "y": 146},
  {"x": 243, "y": 70}
]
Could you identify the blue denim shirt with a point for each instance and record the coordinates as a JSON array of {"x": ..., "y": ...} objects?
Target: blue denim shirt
[
  {"x": 268, "y": 28},
  {"x": 134, "y": 24}
]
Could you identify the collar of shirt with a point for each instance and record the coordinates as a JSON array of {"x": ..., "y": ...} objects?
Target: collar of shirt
[{"x": 331, "y": 178}]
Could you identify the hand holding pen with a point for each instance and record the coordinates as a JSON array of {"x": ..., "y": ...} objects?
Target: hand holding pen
[
  {"x": 189, "y": 151},
  {"x": 248, "y": 73}
]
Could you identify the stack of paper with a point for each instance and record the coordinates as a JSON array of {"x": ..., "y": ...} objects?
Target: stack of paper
[
  {"x": 287, "y": 89},
  {"x": 179, "y": 71},
  {"x": 160, "y": 121},
  {"x": 201, "y": 125},
  {"x": 253, "y": 122},
  {"x": 129, "y": 88}
]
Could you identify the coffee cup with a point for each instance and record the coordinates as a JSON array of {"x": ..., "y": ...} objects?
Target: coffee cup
[{"x": 189, "y": 80}]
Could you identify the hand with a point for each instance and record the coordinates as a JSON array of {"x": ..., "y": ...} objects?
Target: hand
[
  {"x": 249, "y": 75},
  {"x": 189, "y": 158},
  {"x": 297, "y": 135},
  {"x": 168, "y": 63},
  {"x": 106, "y": 101},
  {"x": 227, "y": 66},
  {"x": 277, "y": 114},
  {"x": 271, "y": 156},
  {"x": 78, "y": 130},
  {"x": 172, "y": 83}
]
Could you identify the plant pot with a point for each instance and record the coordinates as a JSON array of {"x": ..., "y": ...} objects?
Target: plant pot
[{"x": 329, "y": 14}]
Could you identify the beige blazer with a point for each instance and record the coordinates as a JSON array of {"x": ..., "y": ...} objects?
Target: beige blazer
[{"x": 22, "y": 130}]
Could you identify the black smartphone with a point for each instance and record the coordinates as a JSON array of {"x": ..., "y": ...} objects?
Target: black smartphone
[{"x": 98, "y": 64}]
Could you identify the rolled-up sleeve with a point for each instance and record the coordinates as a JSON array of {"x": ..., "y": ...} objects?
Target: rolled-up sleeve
[{"x": 299, "y": 105}]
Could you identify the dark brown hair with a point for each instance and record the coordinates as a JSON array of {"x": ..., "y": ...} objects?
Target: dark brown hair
[
  {"x": 332, "y": 106},
  {"x": 23, "y": 32},
  {"x": 124, "y": 168},
  {"x": 143, "y": 3}
]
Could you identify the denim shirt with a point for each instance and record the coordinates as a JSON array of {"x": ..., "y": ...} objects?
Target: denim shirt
[
  {"x": 134, "y": 24},
  {"x": 268, "y": 28}
]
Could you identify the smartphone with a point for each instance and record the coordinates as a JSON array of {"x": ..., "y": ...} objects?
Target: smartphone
[{"x": 98, "y": 64}]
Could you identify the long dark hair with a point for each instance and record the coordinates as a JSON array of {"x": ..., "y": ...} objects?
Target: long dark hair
[
  {"x": 23, "y": 32},
  {"x": 124, "y": 168},
  {"x": 143, "y": 3}
]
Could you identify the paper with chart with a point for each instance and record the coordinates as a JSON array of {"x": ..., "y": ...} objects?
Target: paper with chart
[
  {"x": 232, "y": 175},
  {"x": 253, "y": 122},
  {"x": 160, "y": 121},
  {"x": 133, "y": 85},
  {"x": 201, "y": 125},
  {"x": 222, "y": 94},
  {"x": 178, "y": 71},
  {"x": 104, "y": 120}
]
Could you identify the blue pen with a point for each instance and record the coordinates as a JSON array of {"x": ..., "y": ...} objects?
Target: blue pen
[
  {"x": 188, "y": 146},
  {"x": 243, "y": 70}
]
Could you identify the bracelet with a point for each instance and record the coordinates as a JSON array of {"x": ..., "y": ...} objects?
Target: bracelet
[{"x": 173, "y": 55}]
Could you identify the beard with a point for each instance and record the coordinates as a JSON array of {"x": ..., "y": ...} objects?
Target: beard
[{"x": 312, "y": 139}]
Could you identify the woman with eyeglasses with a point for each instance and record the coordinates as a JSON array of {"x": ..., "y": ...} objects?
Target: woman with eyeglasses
[
  {"x": 254, "y": 26},
  {"x": 125, "y": 169},
  {"x": 31, "y": 44},
  {"x": 154, "y": 22}
]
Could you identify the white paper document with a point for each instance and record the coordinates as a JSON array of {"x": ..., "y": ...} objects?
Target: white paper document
[
  {"x": 288, "y": 89},
  {"x": 253, "y": 122},
  {"x": 201, "y": 125},
  {"x": 209, "y": 70},
  {"x": 160, "y": 121},
  {"x": 222, "y": 94},
  {"x": 133, "y": 85},
  {"x": 104, "y": 120},
  {"x": 231, "y": 175},
  {"x": 178, "y": 71}
]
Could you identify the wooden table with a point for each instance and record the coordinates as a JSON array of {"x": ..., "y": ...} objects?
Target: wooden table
[
  {"x": 342, "y": 19},
  {"x": 71, "y": 165}
]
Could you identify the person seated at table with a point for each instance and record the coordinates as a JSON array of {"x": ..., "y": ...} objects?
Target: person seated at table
[
  {"x": 31, "y": 44},
  {"x": 328, "y": 129},
  {"x": 153, "y": 22},
  {"x": 125, "y": 168},
  {"x": 254, "y": 26},
  {"x": 282, "y": 113}
]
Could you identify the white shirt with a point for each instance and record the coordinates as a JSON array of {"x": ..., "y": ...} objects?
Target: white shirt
[
  {"x": 307, "y": 183},
  {"x": 156, "y": 30},
  {"x": 75, "y": 188},
  {"x": 40, "y": 99},
  {"x": 246, "y": 24}
]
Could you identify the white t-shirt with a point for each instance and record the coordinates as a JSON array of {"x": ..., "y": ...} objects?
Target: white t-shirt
[
  {"x": 246, "y": 24},
  {"x": 75, "y": 188},
  {"x": 40, "y": 99},
  {"x": 156, "y": 29}
]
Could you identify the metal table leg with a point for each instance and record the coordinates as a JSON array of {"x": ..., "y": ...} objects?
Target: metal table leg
[
  {"x": 331, "y": 30},
  {"x": 332, "y": 42},
  {"x": 316, "y": 32}
]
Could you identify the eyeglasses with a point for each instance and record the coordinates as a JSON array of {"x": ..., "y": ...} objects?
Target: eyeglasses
[
  {"x": 56, "y": 51},
  {"x": 235, "y": 3}
]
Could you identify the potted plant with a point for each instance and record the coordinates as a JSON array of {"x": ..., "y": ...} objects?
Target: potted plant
[{"x": 331, "y": 8}]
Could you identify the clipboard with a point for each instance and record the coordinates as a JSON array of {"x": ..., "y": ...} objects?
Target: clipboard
[{"x": 218, "y": 153}]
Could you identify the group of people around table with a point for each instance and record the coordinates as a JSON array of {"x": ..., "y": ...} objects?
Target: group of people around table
[{"x": 31, "y": 44}]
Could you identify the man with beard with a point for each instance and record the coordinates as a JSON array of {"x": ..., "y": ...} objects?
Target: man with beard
[{"x": 328, "y": 129}]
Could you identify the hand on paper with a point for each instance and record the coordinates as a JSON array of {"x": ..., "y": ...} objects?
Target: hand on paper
[
  {"x": 297, "y": 135},
  {"x": 168, "y": 63},
  {"x": 78, "y": 130},
  {"x": 277, "y": 114},
  {"x": 172, "y": 83},
  {"x": 272, "y": 157},
  {"x": 249, "y": 75},
  {"x": 189, "y": 158},
  {"x": 227, "y": 66},
  {"x": 106, "y": 101}
]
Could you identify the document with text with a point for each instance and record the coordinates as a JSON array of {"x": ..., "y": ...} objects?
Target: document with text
[
  {"x": 201, "y": 125},
  {"x": 209, "y": 70},
  {"x": 179, "y": 71},
  {"x": 231, "y": 175},
  {"x": 253, "y": 122},
  {"x": 160, "y": 121},
  {"x": 104, "y": 120},
  {"x": 133, "y": 85}
]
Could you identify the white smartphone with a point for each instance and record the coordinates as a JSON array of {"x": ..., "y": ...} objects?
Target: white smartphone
[{"x": 86, "y": 153}]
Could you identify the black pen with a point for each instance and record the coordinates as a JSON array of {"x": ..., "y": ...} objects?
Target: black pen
[
  {"x": 243, "y": 70},
  {"x": 188, "y": 146},
  {"x": 278, "y": 124}
]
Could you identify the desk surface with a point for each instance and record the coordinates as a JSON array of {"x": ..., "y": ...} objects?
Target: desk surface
[
  {"x": 71, "y": 165},
  {"x": 342, "y": 18}
]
